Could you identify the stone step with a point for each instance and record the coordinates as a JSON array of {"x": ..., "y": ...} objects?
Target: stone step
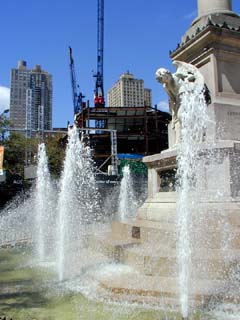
[
  {"x": 164, "y": 197},
  {"x": 166, "y": 232},
  {"x": 162, "y": 207},
  {"x": 111, "y": 245},
  {"x": 205, "y": 223},
  {"x": 165, "y": 212},
  {"x": 150, "y": 265},
  {"x": 144, "y": 230},
  {"x": 163, "y": 261},
  {"x": 82, "y": 260},
  {"x": 165, "y": 306},
  {"x": 154, "y": 212},
  {"x": 134, "y": 284},
  {"x": 162, "y": 251},
  {"x": 160, "y": 258},
  {"x": 159, "y": 205},
  {"x": 125, "y": 227}
]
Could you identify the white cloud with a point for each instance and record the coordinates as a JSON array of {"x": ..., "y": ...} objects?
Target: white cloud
[
  {"x": 4, "y": 98},
  {"x": 163, "y": 106},
  {"x": 191, "y": 15}
]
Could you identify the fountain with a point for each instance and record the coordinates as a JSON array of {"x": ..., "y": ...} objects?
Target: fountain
[
  {"x": 127, "y": 203},
  {"x": 195, "y": 264},
  {"x": 17, "y": 221},
  {"x": 189, "y": 111},
  {"x": 78, "y": 198},
  {"x": 180, "y": 254},
  {"x": 44, "y": 205}
]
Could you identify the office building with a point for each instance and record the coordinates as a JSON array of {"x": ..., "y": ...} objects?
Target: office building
[
  {"x": 30, "y": 99},
  {"x": 129, "y": 92}
]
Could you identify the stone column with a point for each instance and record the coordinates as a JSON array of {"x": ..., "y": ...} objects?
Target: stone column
[{"x": 206, "y": 7}]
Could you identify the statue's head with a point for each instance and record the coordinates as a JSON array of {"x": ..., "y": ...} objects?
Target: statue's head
[{"x": 163, "y": 75}]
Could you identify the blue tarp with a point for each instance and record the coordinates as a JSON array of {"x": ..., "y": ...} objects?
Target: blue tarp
[{"x": 129, "y": 156}]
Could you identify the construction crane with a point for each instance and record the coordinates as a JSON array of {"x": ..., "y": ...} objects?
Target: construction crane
[
  {"x": 77, "y": 97},
  {"x": 99, "y": 101}
]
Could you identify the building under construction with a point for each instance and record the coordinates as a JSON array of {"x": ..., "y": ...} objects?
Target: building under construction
[
  {"x": 127, "y": 126},
  {"x": 138, "y": 130}
]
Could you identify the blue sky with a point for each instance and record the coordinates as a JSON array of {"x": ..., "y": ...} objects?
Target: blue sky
[{"x": 138, "y": 37}]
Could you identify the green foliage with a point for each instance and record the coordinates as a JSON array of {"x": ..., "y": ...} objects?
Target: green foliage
[
  {"x": 4, "y": 124},
  {"x": 18, "y": 150},
  {"x": 56, "y": 153},
  {"x": 16, "y": 146}
]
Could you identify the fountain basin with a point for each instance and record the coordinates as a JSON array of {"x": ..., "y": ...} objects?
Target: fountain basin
[{"x": 30, "y": 292}]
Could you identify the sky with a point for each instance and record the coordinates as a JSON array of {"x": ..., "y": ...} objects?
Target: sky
[{"x": 138, "y": 37}]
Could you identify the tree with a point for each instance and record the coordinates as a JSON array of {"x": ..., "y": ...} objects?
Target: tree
[
  {"x": 16, "y": 147},
  {"x": 55, "y": 146},
  {"x": 4, "y": 124}
]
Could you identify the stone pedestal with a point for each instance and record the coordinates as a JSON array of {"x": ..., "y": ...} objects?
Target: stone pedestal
[
  {"x": 149, "y": 245},
  {"x": 212, "y": 44}
]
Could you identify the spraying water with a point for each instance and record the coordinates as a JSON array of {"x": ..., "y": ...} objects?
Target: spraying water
[
  {"x": 78, "y": 198},
  {"x": 44, "y": 200},
  {"x": 16, "y": 220},
  {"x": 127, "y": 204},
  {"x": 193, "y": 115},
  {"x": 29, "y": 216}
]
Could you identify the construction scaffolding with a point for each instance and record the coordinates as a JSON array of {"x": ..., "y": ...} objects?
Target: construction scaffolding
[{"x": 138, "y": 130}]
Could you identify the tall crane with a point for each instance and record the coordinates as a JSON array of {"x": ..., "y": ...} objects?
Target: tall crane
[
  {"x": 99, "y": 100},
  {"x": 77, "y": 97}
]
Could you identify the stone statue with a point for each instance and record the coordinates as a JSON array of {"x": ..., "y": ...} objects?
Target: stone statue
[
  {"x": 187, "y": 76},
  {"x": 171, "y": 86}
]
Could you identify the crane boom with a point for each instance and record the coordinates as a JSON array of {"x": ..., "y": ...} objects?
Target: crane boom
[
  {"x": 77, "y": 97},
  {"x": 99, "y": 100}
]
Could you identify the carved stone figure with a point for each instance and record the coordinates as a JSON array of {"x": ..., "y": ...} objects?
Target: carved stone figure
[
  {"x": 171, "y": 85},
  {"x": 175, "y": 84}
]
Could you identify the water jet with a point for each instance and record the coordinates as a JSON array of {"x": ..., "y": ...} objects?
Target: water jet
[
  {"x": 43, "y": 205},
  {"x": 127, "y": 202},
  {"x": 180, "y": 255}
]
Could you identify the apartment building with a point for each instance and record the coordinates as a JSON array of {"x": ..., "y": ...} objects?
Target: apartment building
[
  {"x": 30, "y": 99},
  {"x": 129, "y": 92}
]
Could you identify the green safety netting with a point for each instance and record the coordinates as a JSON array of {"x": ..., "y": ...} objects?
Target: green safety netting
[{"x": 136, "y": 167}]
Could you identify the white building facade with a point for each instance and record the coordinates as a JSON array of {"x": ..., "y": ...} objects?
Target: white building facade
[{"x": 129, "y": 92}]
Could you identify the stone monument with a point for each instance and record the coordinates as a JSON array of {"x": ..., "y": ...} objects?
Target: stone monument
[{"x": 212, "y": 46}]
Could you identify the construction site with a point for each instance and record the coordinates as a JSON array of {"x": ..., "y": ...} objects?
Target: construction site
[
  {"x": 120, "y": 130},
  {"x": 126, "y": 132},
  {"x": 116, "y": 132}
]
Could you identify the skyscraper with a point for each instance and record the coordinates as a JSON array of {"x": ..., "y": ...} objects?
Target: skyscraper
[
  {"x": 129, "y": 92},
  {"x": 30, "y": 99}
]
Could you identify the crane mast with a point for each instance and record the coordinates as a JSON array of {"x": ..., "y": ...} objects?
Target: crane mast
[{"x": 99, "y": 100}]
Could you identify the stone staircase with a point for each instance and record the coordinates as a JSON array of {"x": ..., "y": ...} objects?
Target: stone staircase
[{"x": 147, "y": 248}]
